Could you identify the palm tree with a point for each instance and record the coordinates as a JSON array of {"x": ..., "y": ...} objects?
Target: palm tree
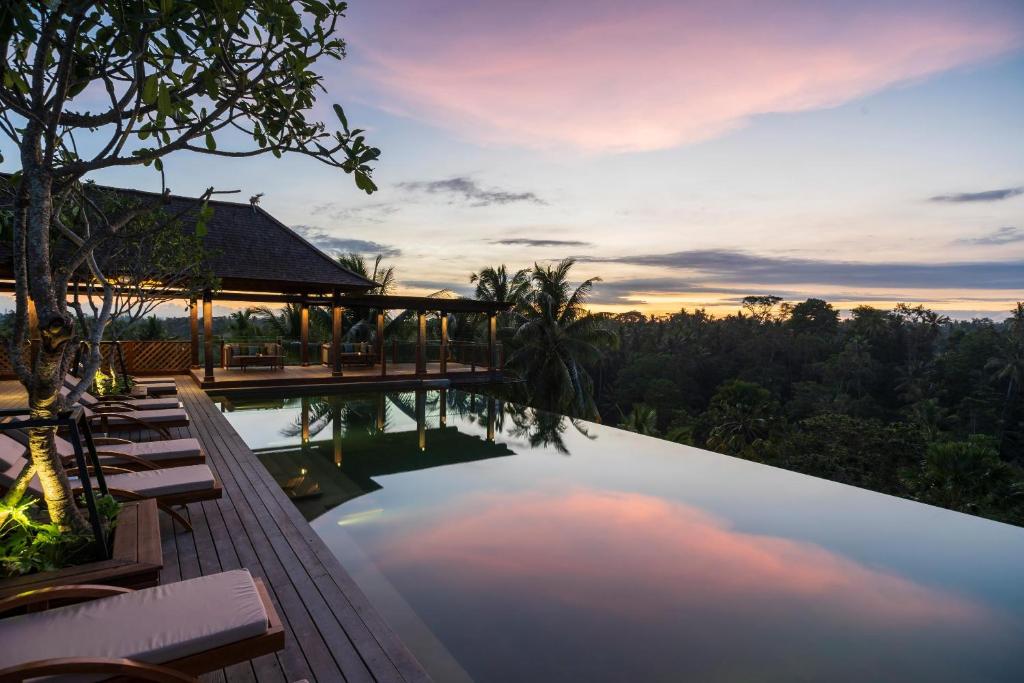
[
  {"x": 285, "y": 323},
  {"x": 1008, "y": 367},
  {"x": 642, "y": 419},
  {"x": 556, "y": 340},
  {"x": 495, "y": 285},
  {"x": 383, "y": 275},
  {"x": 243, "y": 324}
]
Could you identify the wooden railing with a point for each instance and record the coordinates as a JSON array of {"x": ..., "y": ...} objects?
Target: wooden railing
[{"x": 140, "y": 357}]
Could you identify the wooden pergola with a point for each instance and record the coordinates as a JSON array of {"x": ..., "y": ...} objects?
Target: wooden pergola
[
  {"x": 258, "y": 259},
  {"x": 338, "y": 301}
]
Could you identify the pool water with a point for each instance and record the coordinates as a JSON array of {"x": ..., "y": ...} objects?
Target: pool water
[{"x": 504, "y": 544}]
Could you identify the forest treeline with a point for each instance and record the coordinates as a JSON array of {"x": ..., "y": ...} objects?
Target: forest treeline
[{"x": 902, "y": 401}]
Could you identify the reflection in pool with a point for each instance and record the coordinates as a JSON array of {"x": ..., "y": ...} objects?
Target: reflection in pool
[{"x": 507, "y": 545}]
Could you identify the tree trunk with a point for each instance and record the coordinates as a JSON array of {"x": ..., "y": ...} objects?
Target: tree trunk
[{"x": 47, "y": 366}]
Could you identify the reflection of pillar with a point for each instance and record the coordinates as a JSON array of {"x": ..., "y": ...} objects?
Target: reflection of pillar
[
  {"x": 421, "y": 418},
  {"x": 491, "y": 415},
  {"x": 443, "y": 400},
  {"x": 444, "y": 343},
  {"x": 336, "y": 433},
  {"x": 304, "y": 333},
  {"x": 193, "y": 330},
  {"x": 381, "y": 412},
  {"x": 380, "y": 344},
  {"x": 421, "y": 342},
  {"x": 208, "y": 336},
  {"x": 305, "y": 420}
]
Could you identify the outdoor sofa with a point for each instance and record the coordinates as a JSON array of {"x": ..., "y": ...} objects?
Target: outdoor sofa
[
  {"x": 352, "y": 353},
  {"x": 243, "y": 355}
]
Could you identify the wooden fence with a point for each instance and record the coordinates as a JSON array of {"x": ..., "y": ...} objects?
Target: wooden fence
[{"x": 140, "y": 357}]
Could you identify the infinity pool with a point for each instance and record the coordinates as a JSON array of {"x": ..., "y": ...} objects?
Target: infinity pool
[{"x": 504, "y": 544}]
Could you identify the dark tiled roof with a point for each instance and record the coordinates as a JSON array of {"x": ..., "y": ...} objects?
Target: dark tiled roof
[
  {"x": 247, "y": 246},
  {"x": 250, "y": 250}
]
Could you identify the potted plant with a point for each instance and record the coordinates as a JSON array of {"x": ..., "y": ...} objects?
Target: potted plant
[{"x": 35, "y": 553}]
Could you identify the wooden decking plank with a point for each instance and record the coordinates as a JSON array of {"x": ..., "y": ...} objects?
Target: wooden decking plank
[
  {"x": 249, "y": 507},
  {"x": 273, "y": 497},
  {"x": 332, "y": 631},
  {"x": 363, "y": 622}
]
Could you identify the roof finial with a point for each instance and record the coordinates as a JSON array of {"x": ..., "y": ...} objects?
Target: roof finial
[{"x": 254, "y": 200}]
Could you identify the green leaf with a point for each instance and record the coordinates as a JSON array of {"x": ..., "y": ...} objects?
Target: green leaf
[
  {"x": 341, "y": 116},
  {"x": 149, "y": 90},
  {"x": 211, "y": 143},
  {"x": 163, "y": 100}
]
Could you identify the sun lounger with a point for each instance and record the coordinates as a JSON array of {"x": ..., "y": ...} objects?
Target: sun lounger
[
  {"x": 92, "y": 401},
  {"x": 194, "y": 626},
  {"x": 170, "y": 486}
]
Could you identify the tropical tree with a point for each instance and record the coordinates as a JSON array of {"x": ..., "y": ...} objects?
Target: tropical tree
[
  {"x": 642, "y": 419},
  {"x": 557, "y": 339},
  {"x": 233, "y": 79},
  {"x": 742, "y": 416},
  {"x": 383, "y": 275},
  {"x": 497, "y": 285}
]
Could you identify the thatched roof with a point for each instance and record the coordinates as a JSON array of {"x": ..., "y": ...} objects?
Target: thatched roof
[{"x": 249, "y": 250}]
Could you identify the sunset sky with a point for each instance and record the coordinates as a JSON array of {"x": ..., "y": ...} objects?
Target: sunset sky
[{"x": 688, "y": 153}]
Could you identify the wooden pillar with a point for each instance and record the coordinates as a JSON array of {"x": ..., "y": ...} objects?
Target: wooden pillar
[
  {"x": 492, "y": 338},
  {"x": 208, "y": 336},
  {"x": 421, "y": 342},
  {"x": 380, "y": 344},
  {"x": 335, "y": 337},
  {"x": 193, "y": 330},
  {"x": 444, "y": 343},
  {"x": 304, "y": 333},
  {"x": 421, "y": 418}
]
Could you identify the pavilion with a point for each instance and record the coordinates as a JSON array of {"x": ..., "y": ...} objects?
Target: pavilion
[{"x": 258, "y": 259}]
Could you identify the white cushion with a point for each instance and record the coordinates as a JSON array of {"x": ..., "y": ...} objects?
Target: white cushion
[
  {"x": 171, "y": 449},
  {"x": 155, "y": 625},
  {"x": 153, "y": 380},
  {"x": 154, "y": 416},
  {"x": 163, "y": 482},
  {"x": 153, "y": 403}
]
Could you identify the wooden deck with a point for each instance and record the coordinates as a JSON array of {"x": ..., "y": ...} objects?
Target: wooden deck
[
  {"x": 332, "y": 631},
  {"x": 399, "y": 376}
]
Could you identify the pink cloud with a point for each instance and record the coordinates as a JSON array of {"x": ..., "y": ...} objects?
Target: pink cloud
[
  {"x": 649, "y": 75},
  {"x": 630, "y": 556}
]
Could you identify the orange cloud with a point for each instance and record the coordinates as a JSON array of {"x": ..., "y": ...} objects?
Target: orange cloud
[
  {"x": 649, "y": 75},
  {"x": 637, "y": 557}
]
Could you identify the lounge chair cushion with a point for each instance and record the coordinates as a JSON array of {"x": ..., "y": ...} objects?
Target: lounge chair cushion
[
  {"x": 155, "y": 625},
  {"x": 153, "y": 380},
  {"x": 166, "y": 482},
  {"x": 155, "y": 416},
  {"x": 154, "y": 403},
  {"x": 173, "y": 449}
]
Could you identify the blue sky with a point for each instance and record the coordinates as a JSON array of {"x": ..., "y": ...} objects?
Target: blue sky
[{"x": 688, "y": 153}]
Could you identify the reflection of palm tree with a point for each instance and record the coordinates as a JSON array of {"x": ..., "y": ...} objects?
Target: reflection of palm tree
[
  {"x": 355, "y": 413},
  {"x": 542, "y": 429},
  {"x": 557, "y": 337}
]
